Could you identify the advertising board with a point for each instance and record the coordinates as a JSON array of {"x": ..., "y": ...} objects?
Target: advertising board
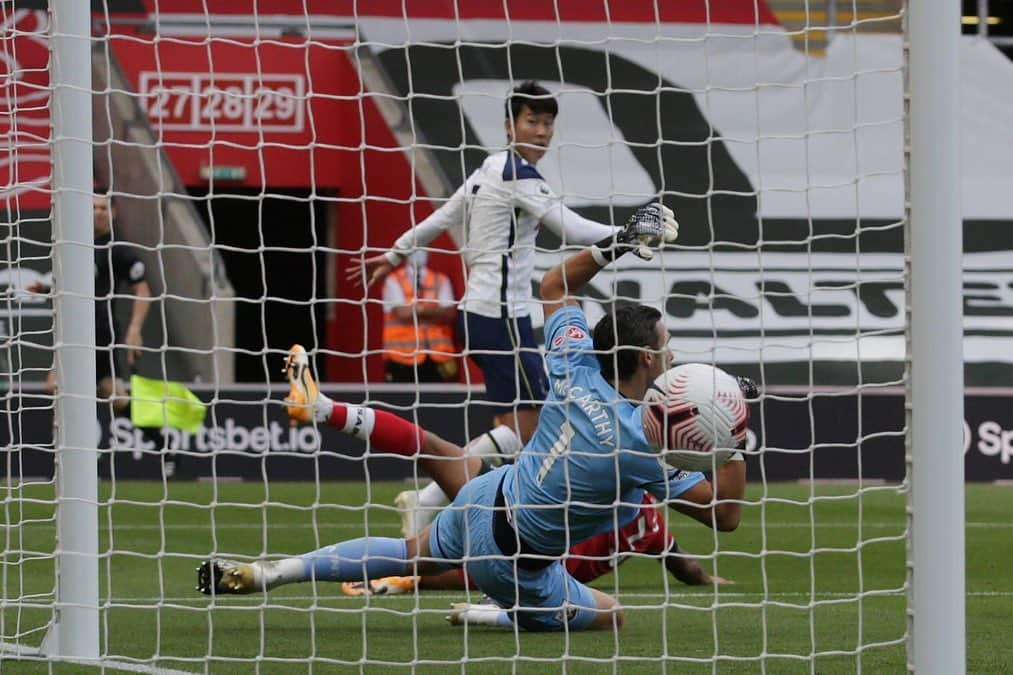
[{"x": 793, "y": 436}]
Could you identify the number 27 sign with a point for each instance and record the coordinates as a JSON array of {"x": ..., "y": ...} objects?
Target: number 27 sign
[{"x": 242, "y": 102}]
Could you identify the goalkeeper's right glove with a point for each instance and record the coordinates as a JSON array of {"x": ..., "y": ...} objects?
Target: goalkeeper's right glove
[
  {"x": 748, "y": 387},
  {"x": 647, "y": 229}
]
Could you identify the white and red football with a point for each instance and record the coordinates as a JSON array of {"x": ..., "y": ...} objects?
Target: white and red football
[{"x": 696, "y": 416}]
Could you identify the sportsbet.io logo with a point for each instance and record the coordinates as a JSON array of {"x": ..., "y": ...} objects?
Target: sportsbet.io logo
[
  {"x": 990, "y": 440},
  {"x": 229, "y": 435}
]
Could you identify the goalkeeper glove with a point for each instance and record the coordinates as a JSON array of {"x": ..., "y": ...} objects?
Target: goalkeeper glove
[
  {"x": 748, "y": 387},
  {"x": 647, "y": 229}
]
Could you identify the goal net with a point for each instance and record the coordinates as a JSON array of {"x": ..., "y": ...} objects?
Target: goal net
[{"x": 249, "y": 154}]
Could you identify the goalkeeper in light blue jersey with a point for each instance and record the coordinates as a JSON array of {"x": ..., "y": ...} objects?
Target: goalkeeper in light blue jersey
[
  {"x": 587, "y": 467},
  {"x": 584, "y": 472}
]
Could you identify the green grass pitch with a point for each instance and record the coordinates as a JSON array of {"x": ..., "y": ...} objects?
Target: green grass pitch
[{"x": 827, "y": 598}]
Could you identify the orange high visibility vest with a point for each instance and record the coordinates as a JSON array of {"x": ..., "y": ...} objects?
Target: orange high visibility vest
[{"x": 408, "y": 343}]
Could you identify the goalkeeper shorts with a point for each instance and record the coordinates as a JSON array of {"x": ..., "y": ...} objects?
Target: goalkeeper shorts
[{"x": 548, "y": 599}]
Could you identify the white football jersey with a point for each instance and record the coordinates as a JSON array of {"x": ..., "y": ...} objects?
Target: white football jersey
[{"x": 501, "y": 206}]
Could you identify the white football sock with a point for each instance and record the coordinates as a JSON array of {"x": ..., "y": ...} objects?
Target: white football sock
[
  {"x": 432, "y": 496},
  {"x": 322, "y": 408},
  {"x": 502, "y": 442},
  {"x": 279, "y": 572},
  {"x": 484, "y": 615},
  {"x": 359, "y": 421}
]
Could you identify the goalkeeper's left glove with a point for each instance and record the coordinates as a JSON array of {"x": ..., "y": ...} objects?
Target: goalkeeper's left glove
[{"x": 647, "y": 229}]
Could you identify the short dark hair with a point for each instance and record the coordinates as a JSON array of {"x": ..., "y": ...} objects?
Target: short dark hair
[
  {"x": 102, "y": 190},
  {"x": 620, "y": 336},
  {"x": 533, "y": 95}
]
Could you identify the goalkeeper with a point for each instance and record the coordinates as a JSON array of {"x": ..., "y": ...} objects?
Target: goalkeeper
[
  {"x": 646, "y": 534},
  {"x": 584, "y": 472}
]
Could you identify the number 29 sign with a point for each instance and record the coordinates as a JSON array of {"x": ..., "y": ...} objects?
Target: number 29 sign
[{"x": 236, "y": 102}]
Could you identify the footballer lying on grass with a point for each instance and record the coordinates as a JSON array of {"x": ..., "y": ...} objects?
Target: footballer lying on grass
[
  {"x": 644, "y": 536},
  {"x": 584, "y": 472}
]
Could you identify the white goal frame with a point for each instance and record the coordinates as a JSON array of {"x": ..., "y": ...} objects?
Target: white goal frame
[
  {"x": 935, "y": 401},
  {"x": 74, "y": 632},
  {"x": 936, "y": 611}
]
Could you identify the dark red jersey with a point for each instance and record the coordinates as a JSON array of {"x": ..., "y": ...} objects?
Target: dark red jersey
[{"x": 597, "y": 556}]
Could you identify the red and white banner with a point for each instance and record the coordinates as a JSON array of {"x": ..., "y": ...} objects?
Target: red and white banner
[
  {"x": 224, "y": 102},
  {"x": 270, "y": 111}
]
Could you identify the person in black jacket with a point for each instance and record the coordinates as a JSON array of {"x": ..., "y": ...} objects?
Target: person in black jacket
[{"x": 117, "y": 265}]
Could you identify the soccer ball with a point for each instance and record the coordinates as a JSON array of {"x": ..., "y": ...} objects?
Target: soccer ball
[{"x": 696, "y": 416}]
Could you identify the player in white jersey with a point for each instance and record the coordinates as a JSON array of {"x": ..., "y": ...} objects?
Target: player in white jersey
[
  {"x": 501, "y": 206},
  {"x": 509, "y": 528}
]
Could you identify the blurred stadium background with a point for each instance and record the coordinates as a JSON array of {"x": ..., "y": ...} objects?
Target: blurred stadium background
[
  {"x": 249, "y": 209},
  {"x": 246, "y": 226}
]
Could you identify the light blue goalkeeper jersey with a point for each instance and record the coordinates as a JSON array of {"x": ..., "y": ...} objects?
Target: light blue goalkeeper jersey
[{"x": 587, "y": 466}]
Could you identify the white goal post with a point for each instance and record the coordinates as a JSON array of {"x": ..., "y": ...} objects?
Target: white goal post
[
  {"x": 75, "y": 630},
  {"x": 936, "y": 389},
  {"x": 753, "y": 306}
]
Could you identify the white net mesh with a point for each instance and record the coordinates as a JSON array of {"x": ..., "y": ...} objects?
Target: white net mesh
[{"x": 253, "y": 156}]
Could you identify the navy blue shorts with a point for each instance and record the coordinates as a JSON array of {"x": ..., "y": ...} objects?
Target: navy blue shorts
[{"x": 506, "y": 351}]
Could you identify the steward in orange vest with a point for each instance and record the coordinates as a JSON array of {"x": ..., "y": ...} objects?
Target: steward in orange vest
[{"x": 418, "y": 337}]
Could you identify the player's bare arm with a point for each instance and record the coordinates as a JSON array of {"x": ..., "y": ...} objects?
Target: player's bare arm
[
  {"x": 647, "y": 229},
  {"x": 139, "y": 312},
  {"x": 374, "y": 269},
  {"x": 717, "y": 503},
  {"x": 689, "y": 571},
  {"x": 561, "y": 282}
]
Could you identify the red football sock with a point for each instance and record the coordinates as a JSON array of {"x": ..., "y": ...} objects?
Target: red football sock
[{"x": 385, "y": 431}]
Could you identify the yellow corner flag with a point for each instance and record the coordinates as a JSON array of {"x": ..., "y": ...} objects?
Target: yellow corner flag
[{"x": 158, "y": 403}]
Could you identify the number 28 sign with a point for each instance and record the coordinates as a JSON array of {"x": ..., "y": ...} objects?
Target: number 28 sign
[{"x": 237, "y": 102}]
